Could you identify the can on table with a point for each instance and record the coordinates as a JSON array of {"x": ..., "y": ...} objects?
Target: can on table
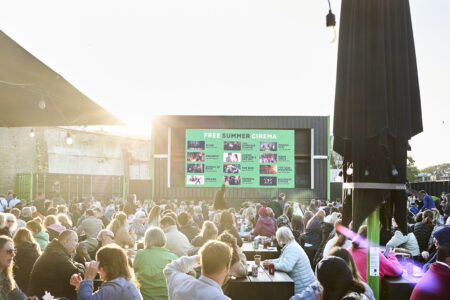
[
  {"x": 255, "y": 271},
  {"x": 255, "y": 244},
  {"x": 271, "y": 268}
]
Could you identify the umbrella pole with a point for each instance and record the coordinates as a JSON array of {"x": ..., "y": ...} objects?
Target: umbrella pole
[{"x": 373, "y": 259}]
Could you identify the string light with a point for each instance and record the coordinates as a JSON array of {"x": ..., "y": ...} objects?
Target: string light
[
  {"x": 32, "y": 133},
  {"x": 331, "y": 22}
]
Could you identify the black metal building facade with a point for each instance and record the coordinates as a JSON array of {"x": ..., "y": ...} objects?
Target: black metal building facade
[{"x": 311, "y": 156}]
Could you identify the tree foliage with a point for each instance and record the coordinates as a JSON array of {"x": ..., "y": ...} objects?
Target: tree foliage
[{"x": 412, "y": 171}]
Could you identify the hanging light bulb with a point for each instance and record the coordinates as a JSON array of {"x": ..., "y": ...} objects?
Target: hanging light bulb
[
  {"x": 32, "y": 133},
  {"x": 350, "y": 171},
  {"x": 69, "y": 140},
  {"x": 331, "y": 23}
]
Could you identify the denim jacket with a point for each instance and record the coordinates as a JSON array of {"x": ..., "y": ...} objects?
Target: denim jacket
[{"x": 116, "y": 289}]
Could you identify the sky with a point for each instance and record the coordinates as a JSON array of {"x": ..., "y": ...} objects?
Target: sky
[{"x": 142, "y": 58}]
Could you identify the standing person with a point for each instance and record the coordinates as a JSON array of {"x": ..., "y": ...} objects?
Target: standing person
[
  {"x": 293, "y": 260},
  {"x": 122, "y": 236},
  {"x": 27, "y": 253},
  {"x": 219, "y": 199},
  {"x": 435, "y": 283},
  {"x": 54, "y": 268},
  {"x": 215, "y": 259},
  {"x": 9, "y": 288},
  {"x": 149, "y": 264},
  {"x": 177, "y": 242},
  {"x": 337, "y": 280},
  {"x": 117, "y": 276}
]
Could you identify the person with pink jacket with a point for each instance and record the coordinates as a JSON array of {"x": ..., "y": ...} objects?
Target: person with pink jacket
[{"x": 388, "y": 266}]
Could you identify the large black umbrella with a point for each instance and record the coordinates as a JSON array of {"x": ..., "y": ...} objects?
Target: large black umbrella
[
  {"x": 377, "y": 105},
  {"x": 32, "y": 94}
]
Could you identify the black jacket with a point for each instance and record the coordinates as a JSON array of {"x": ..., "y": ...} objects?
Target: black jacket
[
  {"x": 422, "y": 233},
  {"x": 27, "y": 254},
  {"x": 190, "y": 231},
  {"x": 52, "y": 272}
]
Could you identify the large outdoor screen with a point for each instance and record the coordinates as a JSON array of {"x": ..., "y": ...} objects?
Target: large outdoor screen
[{"x": 240, "y": 158}]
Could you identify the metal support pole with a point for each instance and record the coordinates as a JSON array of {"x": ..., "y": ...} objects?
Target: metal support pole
[
  {"x": 373, "y": 258},
  {"x": 328, "y": 160}
]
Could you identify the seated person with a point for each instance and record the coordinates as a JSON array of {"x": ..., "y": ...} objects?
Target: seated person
[
  {"x": 435, "y": 283},
  {"x": 53, "y": 269},
  {"x": 215, "y": 260},
  {"x": 265, "y": 225},
  {"x": 388, "y": 266},
  {"x": 89, "y": 247},
  {"x": 113, "y": 269}
]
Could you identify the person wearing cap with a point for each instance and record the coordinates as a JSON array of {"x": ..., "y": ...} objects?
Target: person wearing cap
[
  {"x": 440, "y": 237},
  {"x": 293, "y": 260},
  {"x": 337, "y": 280},
  {"x": 435, "y": 283},
  {"x": 265, "y": 225}
]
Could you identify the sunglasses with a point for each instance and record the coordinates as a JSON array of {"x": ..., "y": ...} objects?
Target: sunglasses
[{"x": 11, "y": 251}]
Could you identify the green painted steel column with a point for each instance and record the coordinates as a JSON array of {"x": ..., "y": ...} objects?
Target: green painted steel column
[
  {"x": 328, "y": 159},
  {"x": 373, "y": 265}
]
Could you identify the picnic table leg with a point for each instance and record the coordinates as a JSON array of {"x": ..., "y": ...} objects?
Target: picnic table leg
[{"x": 373, "y": 265}]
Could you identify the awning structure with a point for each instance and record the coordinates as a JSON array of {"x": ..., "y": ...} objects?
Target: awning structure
[{"x": 32, "y": 94}]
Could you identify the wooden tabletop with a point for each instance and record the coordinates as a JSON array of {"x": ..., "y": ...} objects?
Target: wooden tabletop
[{"x": 264, "y": 286}]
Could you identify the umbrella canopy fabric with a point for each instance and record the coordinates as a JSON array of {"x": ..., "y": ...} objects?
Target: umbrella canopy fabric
[
  {"x": 26, "y": 84},
  {"x": 377, "y": 104}
]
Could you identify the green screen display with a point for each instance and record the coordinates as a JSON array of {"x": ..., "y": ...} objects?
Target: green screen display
[{"x": 240, "y": 158}]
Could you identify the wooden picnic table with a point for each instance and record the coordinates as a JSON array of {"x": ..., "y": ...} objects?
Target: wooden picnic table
[
  {"x": 250, "y": 252},
  {"x": 265, "y": 286}
]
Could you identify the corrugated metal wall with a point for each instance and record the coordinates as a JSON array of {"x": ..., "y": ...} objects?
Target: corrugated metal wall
[{"x": 178, "y": 124}]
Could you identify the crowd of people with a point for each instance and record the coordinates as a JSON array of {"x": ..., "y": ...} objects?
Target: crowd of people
[{"x": 191, "y": 249}]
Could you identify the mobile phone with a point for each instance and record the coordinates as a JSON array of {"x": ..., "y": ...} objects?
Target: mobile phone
[{"x": 386, "y": 252}]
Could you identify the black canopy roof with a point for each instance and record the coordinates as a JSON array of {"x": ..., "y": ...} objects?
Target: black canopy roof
[{"x": 25, "y": 82}]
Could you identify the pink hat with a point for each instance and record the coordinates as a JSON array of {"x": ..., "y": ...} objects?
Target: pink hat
[{"x": 263, "y": 212}]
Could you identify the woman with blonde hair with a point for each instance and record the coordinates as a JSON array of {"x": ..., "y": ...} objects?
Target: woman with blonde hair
[
  {"x": 9, "y": 290},
  {"x": 53, "y": 227},
  {"x": 28, "y": 251},
  {"x": 209, "y": 232},
  {"x": 38, "y": 231},
  {"x": 117, "y": 276},
  {"x": 64, "y": 220},
  {"x": 122, "y": 236},
  {"x": 4, "y": 229}
]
